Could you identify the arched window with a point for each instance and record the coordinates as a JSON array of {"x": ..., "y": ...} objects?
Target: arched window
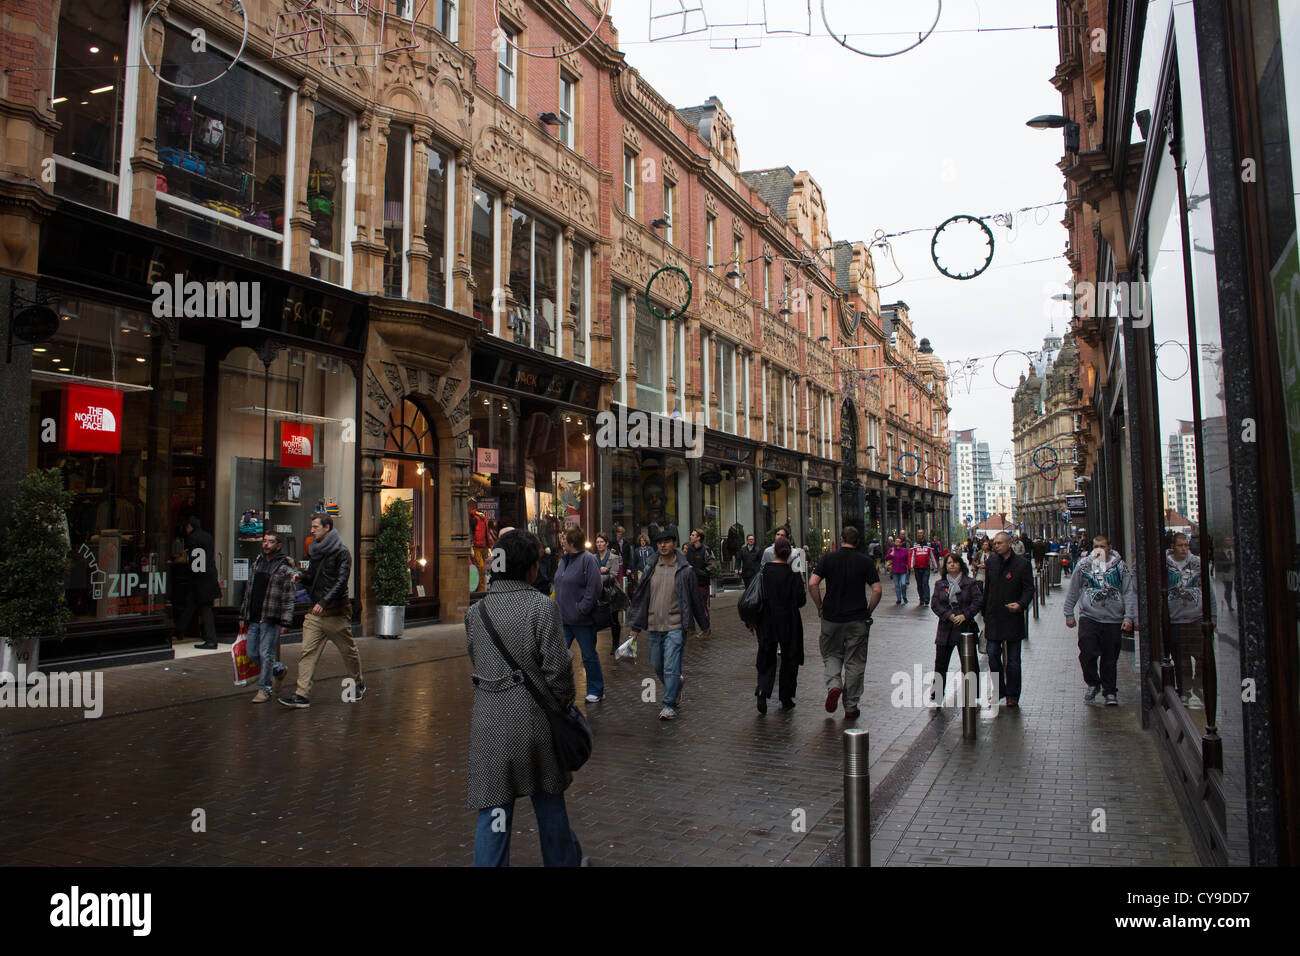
[{"x": 409, "y": 431}]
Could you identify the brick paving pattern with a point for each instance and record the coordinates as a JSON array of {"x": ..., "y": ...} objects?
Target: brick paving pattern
[{"x": 382, "y": 782}]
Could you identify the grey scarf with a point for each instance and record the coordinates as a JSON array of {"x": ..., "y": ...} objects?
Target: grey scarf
[{"x": 324, "y": 547}]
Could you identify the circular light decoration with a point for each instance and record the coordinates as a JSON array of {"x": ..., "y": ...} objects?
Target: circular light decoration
[
  {"x": 1052, "y": 472},
  {"x": 1186, "y": 363},
  {"x": 843, "y": 39},
  {"x": 933, "y": 474},
  {"x": 501, "y": 36},
  {"x": 1000, "y": 357},
  {"x": 144, "y": 54},
  {"x": 899, "y": 464},
  {"x": 654, "y": 310},
  {"x": 1040, "y": 465},
  {"x": 955, "y": 227}
]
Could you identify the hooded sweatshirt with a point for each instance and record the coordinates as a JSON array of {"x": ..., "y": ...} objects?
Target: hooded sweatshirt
[
  {"x": 1105, "y": 593},
  {"x": 1183, "y": 588}
]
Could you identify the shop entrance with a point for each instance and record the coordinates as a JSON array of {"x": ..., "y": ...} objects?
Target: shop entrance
[{"x": 410, "y": 467}]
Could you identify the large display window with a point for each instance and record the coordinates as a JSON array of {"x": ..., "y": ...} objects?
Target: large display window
[
  {"x": 650, "y": 491},
  {"x": 282, "y": 456},
  {"x": 409, "y": 470},
  {"x": 328, "y": 193},
  {"x": 223, "y": 146}
]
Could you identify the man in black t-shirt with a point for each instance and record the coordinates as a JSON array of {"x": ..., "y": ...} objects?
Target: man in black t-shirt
[{"x": 846, "y": 619}]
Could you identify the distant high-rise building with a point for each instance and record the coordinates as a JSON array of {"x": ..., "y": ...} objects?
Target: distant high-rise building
[
  {"x": 971, "y": 468},
  {"x": 1180, "y": 472}
]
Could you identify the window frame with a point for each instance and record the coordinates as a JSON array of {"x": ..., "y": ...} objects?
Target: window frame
[
  {"x": 710, "y": 240},
  {"x": 507, "y": 66},
  {"x": 629, "y": 182},
  {"x": 670, "y": 203},
  {"x": 568, "y": 117}
]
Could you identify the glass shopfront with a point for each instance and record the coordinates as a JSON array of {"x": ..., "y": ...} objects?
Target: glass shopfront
[
  {"x": 651, "y": 490},
  {"x": 409, "y": 469},
  {"x": 822, "y": 535}
]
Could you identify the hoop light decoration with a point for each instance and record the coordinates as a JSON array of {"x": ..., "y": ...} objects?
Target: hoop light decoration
[
  {"x": 144, "y": 54},
  {"x": 936, "y": 477},
  {"x": 1000, "y": 357},
  {"x": 1051, "y": 473},
  {"x": 899, "y": 464},
  {"x": 843, "y": 39},
  {"x": 505, "y": 37},
  {"x": 953, "y": 221},
  {"x": 668, "y": 317},
  {"x": 1186, "y": 358},
  {"x": 1040, "y": 465}
]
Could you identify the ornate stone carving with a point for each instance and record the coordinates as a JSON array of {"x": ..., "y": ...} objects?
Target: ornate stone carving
[
  {"x": 569, "y": 168},
  {"x": 670, "y": 168},
  {"x": 572, "y": 200},
  {"x": 372, "y": 425},
  {"x": 507, "y": 160},
  {"x": 394, "y": 377},
  {"x": 449, "y": 386},
  {"x": 514, "y": 9},
  {"x": 413, "y": 380},
  {"x": 710, "y": 204},
  {"x": 375, "y": 391},
  {"x": 631, "y": 137},
  {"x": 573, "y": 63},
  {"x": 511, "y": 128}
]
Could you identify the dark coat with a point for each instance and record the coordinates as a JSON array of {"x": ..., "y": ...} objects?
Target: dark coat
[
  {"x": 577, "y": 588},
  {"x": 1007, "y": 581},
  {"x": 749, "y": 561},
  {"x": 690, "y": 605},
  {"x": 510, "y": 749},
  {"x": 329, "y": 573},
  {"x": 204, "y": 584},
  {"x": 277, "y": 604},
  {"x": 969, "y": 602},
  {"x": 627, "y": 555},
  {"x": 779, "y": 621}
]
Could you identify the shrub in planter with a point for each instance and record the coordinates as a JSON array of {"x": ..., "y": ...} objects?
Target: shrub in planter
[
  {"x": 34, "y": 560},
  {"x": 392, "y": 552}
]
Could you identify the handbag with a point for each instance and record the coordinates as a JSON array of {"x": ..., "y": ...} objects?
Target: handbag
[
  {"x": 750, "y": 606},
  {"x": 570, "y": 733}
]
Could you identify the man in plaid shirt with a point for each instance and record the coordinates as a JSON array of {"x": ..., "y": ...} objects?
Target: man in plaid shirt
[{"x": 268, "y": 607}]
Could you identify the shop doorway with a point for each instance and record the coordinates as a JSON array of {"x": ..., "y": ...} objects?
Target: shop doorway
[{"x": 410, "y": 468}]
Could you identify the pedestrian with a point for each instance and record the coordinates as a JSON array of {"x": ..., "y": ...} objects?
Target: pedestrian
[
  {"x": 330, "y": 618},
  {"x": 267, "y": 607},
  {"x": 899, "y": 556},
  {"x": 875, "y": 552},
  {"x": 981, "y": 560},
  {"x": 921, "y": 559},
  {"x": 1104, "y": 590},
  {"x": 626, "y": 555},
  {"x": 846, "y": 619},
  {"x": 669, "y": 607},
  {"x": 769, "y": 553},
  {"x": 1039, "y": 551},
  {"x": 577, "y": 584},
  {"x": 611, "y": 571},
  {"x": 750, "y": 560},
  {"x": 700, "y": 557},
  {"x": 1017, "y": 544},
  {"x": 511, "y": 753},
  {"x": 780, "y": 626},
  {"x": 957, "y": 599},
  {"x": 1007, "y": 592},
  {"x": 1183, "y": 598},
  {"x": 204, "y": 587}
]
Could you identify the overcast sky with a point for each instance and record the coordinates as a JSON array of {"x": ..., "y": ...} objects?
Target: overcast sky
[{"x": 901, "y": 143}]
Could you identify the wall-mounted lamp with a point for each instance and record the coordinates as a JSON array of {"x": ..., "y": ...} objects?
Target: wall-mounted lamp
[
  {"x": 549, "y": 119},
  {"x": 659, "y": 223},
  {"x": 1055, "y": 121}
]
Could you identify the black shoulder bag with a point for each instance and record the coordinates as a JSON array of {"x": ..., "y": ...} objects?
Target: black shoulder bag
[{"x": 570, "y": 733}]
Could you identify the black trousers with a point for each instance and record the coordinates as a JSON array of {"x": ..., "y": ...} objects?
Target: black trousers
[
  {"x": 1099, "y": 641},
  {"x": 1008, "y": 678},
  {"x": 187, "y": 615},
  {"x": 942, "y": 655},
  {"x": 767, "y": 671}
]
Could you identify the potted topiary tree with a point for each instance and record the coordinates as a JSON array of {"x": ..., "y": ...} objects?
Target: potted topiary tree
[
  {"x": 392, "y": 568},
  {"x": 34, "y": 570}
]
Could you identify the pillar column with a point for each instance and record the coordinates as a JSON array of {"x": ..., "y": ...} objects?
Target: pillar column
[
  {"x": 145, "y": 165},
  {"x": 419, "y": 255},
  {"x": 301, "y": 222},
  {"x": 462, "y": 226},
  {"x": 568, "y": 328},
  {"x": 506, "y": 296}
]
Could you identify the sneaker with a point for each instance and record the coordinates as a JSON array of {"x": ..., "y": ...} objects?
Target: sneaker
[
  {"x": 358, "y": 692},
  {"x": 206, "y": 646},
  {"x": 933, "y": 702},
  {"x": 277, "y": 678},
  {"x": 853, "y": 714},
  {"x": 667, "y": 713},
  {"x": 1093, "y": 690},
  {"x": 261, "y": 697},
  {"x": 594, "y": 698},
  {"x": 296, "y": 701},
  {"x": 787, "y": 705},
  {"x": 1112, "y": 700},
  {"x": 832, "y": 700}
]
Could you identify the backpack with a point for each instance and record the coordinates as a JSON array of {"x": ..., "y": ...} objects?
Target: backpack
[
  {"x": 182, "y": 119},
  {"x": 211, "y": 133}
]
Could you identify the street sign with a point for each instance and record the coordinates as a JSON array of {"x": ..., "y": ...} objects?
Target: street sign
[{"x": 35, "y": 324}]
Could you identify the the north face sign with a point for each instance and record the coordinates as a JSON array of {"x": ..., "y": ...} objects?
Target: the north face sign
[
  {"x": 296, "y": 444},
  {"x": 92, "y": 419}
]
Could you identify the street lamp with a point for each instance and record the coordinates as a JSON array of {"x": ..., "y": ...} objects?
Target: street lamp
[{"x": 1055, "y": 121}]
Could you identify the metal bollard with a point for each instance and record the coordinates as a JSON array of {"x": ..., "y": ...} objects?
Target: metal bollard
[
  {"x": 1035, "y": 597},
  {"x": 970, "y": 671},
  {"x": 857, "y": 798}
]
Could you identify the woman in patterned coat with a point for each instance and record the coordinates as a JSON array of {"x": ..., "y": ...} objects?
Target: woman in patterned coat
[{"x": 510, "y": 750}]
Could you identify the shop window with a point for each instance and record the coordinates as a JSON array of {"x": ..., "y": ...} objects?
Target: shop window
[
  {"x": 100, "y": 383},
  {"x": 645, "y": 493},
  {"x": 408, "y": 473},
  {"x": 445, "y": 18},
  {"x": 222, "y": 145},
  {"x": 579, "y": 307},
  {"x": 482, "y": 250},
  {"x": 281, "y": 434},
  {"x": 618, "y": 331},
  {"x": 328, "y": 194},
  {"x": 396, "y": 203},
  {"x": 88, "y": 97},
  {"x": 534, "y": 275},
  {"x": 435, "y": 227},
  {"x": 649, "y": 348},
  {"x": 727, "y": 385}
]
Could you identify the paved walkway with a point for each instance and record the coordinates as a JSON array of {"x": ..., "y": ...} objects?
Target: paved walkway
[{"x": 382, "y": 782}]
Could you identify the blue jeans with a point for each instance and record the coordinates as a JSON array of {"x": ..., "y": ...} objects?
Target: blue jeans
[
  {"x": 264, "y": 647},
  {"x": 900, "y": 586},
  {"x": 586, "y": 638},
  {"x": 560, "y": 846},
  {"x": 923, "y": 585},
  {"x": 666, "y": 659}
]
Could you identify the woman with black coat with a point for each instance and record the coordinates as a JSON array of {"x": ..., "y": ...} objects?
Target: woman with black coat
[
  {"x": 956, "y": 599},
  {"x": 780, "y": 626}
]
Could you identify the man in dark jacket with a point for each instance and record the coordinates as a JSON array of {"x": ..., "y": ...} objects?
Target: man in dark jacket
[
  {"x": 205, "y": 588},
  {"x": 268, "y": 606},
  {"x": 330, "y": 618},
  {"x": 699, "y": 556},
  {"x": 1008, "y": 590},
  {"x": 626, "y": 555},
  {"x": 668, "y": 605},
  {"x": 750, "y": 558}
]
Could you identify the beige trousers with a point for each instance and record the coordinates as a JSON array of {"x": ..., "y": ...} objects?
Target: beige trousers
[{"x": 316, "y": 630}]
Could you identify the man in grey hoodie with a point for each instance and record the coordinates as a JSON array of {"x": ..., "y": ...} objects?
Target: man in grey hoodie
[
  {"x": 1183, "y": 596},
  {"x": 1103, "y": 588}
]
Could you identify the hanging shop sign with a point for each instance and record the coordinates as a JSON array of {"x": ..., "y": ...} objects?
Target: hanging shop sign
[
  {"x": 490, "y": 508},
  {"x": 296, "y": 444},
  {"x": 487, "y": 461},
  {"x": 389, "y": 477},
  {"x": 92, "y": 419}
]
